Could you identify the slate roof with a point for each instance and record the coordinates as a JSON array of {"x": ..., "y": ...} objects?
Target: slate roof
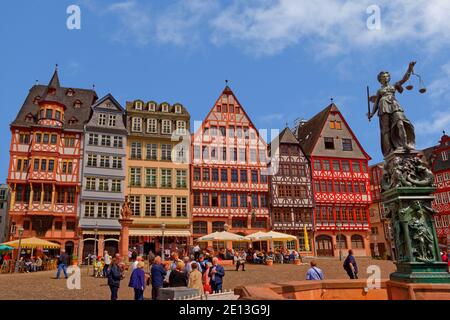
[
  {"x": 86, "y": 96},
  {"x": 308, "y": 133},
  {"x": 286, "y": 136}
]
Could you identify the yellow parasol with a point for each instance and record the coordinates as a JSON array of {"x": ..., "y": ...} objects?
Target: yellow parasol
[
  {"x": 305, "y": 236},
  {"x": 222, "y": 236},
  {"x": 32, "y": 243}
]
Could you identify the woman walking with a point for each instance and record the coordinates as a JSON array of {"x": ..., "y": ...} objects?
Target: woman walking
[
  {"x": 114, "y": 278},
  {"x": 137, "y": 281},
  {"x": 195, "y": 279}
]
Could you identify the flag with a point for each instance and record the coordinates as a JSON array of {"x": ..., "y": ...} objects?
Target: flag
[{"x": 305, "y": 237}]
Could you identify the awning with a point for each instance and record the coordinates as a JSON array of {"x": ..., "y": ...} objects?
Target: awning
[
  {"x": 158, "y": 233},
  {"x": 104, "y": 232}
]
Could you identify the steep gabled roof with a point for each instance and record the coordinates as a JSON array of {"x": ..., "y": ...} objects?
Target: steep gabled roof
[
  {"x": 285, "y": 136},
  {"x": 109, "y": 96},
  {"x": 85, "y": 96},
  {"x": 309, "y": 133}
]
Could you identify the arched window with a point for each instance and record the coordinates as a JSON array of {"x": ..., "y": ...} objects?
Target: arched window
[
  {"x": 77, "y": 104},
  {"x": 200, "y": 227},
  {"x": 138, "y": 105},
  {"x": 151, "y": 106},
  {"x": 341, "y": 241},
  {"x": 357, "y": 242},
  {"x": 218, "y": 226}
]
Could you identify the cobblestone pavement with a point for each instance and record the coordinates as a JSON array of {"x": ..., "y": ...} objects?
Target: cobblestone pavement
[{"x": 43, "y": 285}]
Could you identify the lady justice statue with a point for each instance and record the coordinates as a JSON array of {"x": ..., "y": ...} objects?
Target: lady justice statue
[{"x": 397, "y": 132}]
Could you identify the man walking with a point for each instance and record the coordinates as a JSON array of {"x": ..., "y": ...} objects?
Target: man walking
[
  {"x": 63, "y": 261},
  {"x": 216, "y": 274},
  {"x": 115, "y": 275},
  {"x": 158, "y": 273},
  {"x": 314, "y": 273},
  {"x": 350, "y": 265}
]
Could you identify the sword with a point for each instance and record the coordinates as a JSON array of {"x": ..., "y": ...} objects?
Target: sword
[{"x": 368, "y": 103}]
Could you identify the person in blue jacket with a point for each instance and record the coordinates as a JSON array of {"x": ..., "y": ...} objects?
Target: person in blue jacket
[
  {"x": 137, "y": 281},
  {"x": 216, "y": 273},
  {"x": 114, "y": 277},
  {"x": 158, "y": 272},
  {"x": 350, "y": 265}
]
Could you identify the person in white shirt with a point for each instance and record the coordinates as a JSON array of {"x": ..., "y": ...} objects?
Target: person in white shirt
[
  {"x": 135, "y": 263},
  {"x": 107, "y": 260}
]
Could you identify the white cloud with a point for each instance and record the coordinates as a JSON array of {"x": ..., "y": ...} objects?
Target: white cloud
[
  {"x": 438, "y": 121},
  {"x": 135, "y": 22},
  {"x": 439, "y": 88}
]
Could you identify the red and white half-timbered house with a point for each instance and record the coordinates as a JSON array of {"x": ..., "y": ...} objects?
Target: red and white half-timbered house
[
  {"x": 291, "y": 197},
  {"x": 45, "y": 162},
  {"x": 229, "y": 183},
  {"x": 341, "y": 183}
]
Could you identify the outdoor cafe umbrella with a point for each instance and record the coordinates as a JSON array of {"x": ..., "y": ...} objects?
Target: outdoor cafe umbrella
[
  {"x": 222, "y": 236},
  {"x": 4, "y": 247},
  {"x": 32, "y": 243},
  {"x": 271, "y": 236}
]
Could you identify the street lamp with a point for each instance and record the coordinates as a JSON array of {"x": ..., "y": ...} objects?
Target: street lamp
[
  {"x": 16, "y": 269},
  {"x": 163, "y": 227}
]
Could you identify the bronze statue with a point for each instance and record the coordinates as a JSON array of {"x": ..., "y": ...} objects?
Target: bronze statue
[
  {"x": 397, "y": 132},
  {"x": 126, "y": 211}
]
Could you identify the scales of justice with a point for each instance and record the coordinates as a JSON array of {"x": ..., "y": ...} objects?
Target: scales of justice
[{"x": 407, "y": 190}]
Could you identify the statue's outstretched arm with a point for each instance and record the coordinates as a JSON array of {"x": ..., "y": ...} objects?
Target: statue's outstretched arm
[{"x": 407, "y": 74}]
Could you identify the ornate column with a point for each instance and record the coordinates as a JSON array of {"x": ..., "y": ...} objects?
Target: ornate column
[{"x": 125, "y": 221}]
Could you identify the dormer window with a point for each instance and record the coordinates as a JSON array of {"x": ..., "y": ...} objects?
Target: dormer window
[
  {"x": 77, "y": 104},
  {"x": 29, "y": 118},
  {"x": 36, "y": 99},
  {"x": 70, "y": 92},
  {"x": 165, "y": 107},
  {"x": 138, "y": 105},
  {"x": 102, "y": 119},
  {"x": 177, "y": 109},
  {"x": 73, "y": 120},
  {"x": 151, "y": 106},
  {"x": 52, "y": 91}
]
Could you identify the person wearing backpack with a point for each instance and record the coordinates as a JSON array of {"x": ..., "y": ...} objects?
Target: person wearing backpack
[
  {"x": 350, "y": 265},
  {"x": 314, "y": 273}
]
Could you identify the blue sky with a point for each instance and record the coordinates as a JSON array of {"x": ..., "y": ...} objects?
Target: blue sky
[{"x": 284, "y": 58}]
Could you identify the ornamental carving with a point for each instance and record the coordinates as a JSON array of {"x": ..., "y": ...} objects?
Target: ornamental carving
[{"x": 406, "y": 172}]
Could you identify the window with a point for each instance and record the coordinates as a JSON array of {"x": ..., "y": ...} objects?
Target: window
[
  {"x": 356, "y": 167},
  {"x": 116, "y": 162},
  {"x": 115, "y": 210},
  {"x": 338, "y": 125},
  {"x": 262, "y": 156},
  {"x": 326, "y": 165},
  {"x": 152, "y": 151},
  {"x": 332, "y": 124},
  {"x": 177, "y": 109},
  {"x": 223, "y": 200},
  {"x": 196, "y": 199},
  {"x": 329, "y": 143},
  {"x": 166, "y": 178},
  {"x": 117, "y": 142},
  {"x": 197, "y": 152},
  {"x": 69, "y": 142},
  {"x": 253, "y": 155},
  {"x": 48, "y": 113},
  {"x": 317, "y": 165},
  {"x": 244, "y": 176},
  {"x": 51, "y": 165},
  {"x": 214, "y": 174},
  {"x": 345, "y": 165},
  {"x": 165, "y": 107},
  {"x": 357, "y": 241},
  {"x": 224, "y": 175},
  {"x": 200, "y": 227},
  {"x": 150, "y": 177},
  {"x": 166, "y": 206},
  {"x": 166, "y": 127},
  {"x": 112, "y": 120},
  {"x": 93, "y": 139},
  {"x": 103, "y": 184},
  {"x": 92, "y": 160},
  {"x": 102, "y": 119},
  {"x": 38, "y": 137},
  {"x": 234, "y": 200},
  {"x": 214, "y": 199},
  {"x": 104, "y": 161},
  {"x": 152, "y": 126},
  {"x": 341, "y": 241},
  {"x": 181, "y": 207},
  {"x": 243, "y": 200},
  {"x": 135, "y": 205},
  {"x": 196, "y": 174},
  {"x": 44, "y": 165},
  {"x": 181, "y": 178},
  {"x": 242, "y": 155},
  {"x": 181, "y": 127},
  {"x": 45, "y": 138},
  {"x": 231, "y": 132},
  {"x": 150, "y": 206},
  {"x": 138, "y": 105},
  {"x": 24, "y": 138},
  {"x": 213, "y": 153},
  {"x": 234, "y": 175},
  {"x": 254, "y": 176},
  {"x": 89, "y": 209},
  {"x": 102, "y": 210},
  {"x": 239, "y": 223},
  {"x": 166, "y": 152},
  {"x": 222, "y": 131},
  {"x": 218, "y": 226},
  {"x": 136, "y": 150},
  {"x": 444, "y": 155},
  {"x": 116, "y": 185},
  {"x": 233, "y": 154},
  {"x": 347, "y": 145},
  {"x": 106, "y": 141},
  {"x": 206, "y": 176},
  {"x": 136, "y": 124},
  {"x": 205, "y": 199},
  {"x": 135, "y": 177}
]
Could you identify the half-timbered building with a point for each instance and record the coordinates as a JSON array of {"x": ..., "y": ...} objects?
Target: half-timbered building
[
  {"x": 103, "y": 178},
  {"x": 341, "y": 183},
  {"x": 291, "y": 197},
  {"x": 45, "y": 163},
  {"x": 229, "y": 182}
]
